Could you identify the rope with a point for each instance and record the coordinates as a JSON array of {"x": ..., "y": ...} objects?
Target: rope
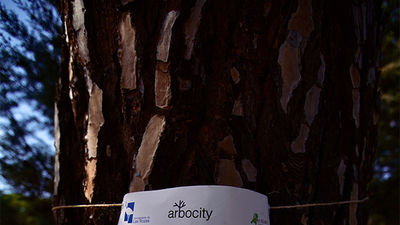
[
  {"x": 85, "y": 206},
  {"x": 318, "y": 204},
  {"x": 272, "y": 207}
]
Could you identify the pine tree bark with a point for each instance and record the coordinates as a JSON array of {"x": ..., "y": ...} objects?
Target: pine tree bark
[{"x": 275, "y": 96}]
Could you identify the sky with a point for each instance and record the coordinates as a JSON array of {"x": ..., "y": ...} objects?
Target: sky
[
  {"x": 24, "y": 109},
  {"x": 13, "y": 6}
]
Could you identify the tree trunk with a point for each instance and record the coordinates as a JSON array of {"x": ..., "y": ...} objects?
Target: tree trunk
[{"x": 275, "y": 96}]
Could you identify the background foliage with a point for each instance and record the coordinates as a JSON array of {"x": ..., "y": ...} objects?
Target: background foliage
[
  {"x": 30, "y": 44},
  {"x": 386, "y": 183},
  {"x": 17, "y": 209}
]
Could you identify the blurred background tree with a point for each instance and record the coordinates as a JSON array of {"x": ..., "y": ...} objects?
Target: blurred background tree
[
  {"x": 30, "y": 55},
  {"x": 18, "y": 209},
  {"x": 30, "y": 43},
  {"x": 385, "y": 186}
]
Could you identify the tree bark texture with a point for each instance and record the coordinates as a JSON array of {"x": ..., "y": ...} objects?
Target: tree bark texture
[{"x": 275, "y": 96}]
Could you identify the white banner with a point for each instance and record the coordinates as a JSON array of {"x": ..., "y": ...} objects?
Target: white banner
[{"x": 195, "y": 205}]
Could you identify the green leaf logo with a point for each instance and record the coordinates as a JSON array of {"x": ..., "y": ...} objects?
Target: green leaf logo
[{"x": 255, "y": 219}]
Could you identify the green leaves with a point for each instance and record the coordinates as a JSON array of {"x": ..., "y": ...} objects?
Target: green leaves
[{"x": 17, "y": 209}]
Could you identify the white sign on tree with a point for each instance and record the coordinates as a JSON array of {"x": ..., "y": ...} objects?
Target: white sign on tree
[{"x": 197, "y": 205}]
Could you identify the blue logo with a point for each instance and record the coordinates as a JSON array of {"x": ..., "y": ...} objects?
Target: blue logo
[{"x": 129, "y": 212}]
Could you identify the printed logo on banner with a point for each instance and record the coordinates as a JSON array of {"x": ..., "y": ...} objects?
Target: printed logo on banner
[
  {"x": 129, "y": 218},
  {"x": 129, "y": 212},
  {"x": 257, "y": 221},
  {"x": 179, "y": 212}
]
